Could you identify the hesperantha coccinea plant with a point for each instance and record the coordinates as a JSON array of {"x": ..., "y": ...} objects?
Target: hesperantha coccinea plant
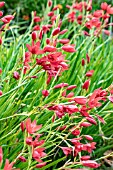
[{"x": 56, "y": 92}]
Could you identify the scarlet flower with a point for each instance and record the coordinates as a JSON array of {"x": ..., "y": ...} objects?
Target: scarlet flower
[
  {"x": 67, "y": 151},
  {"x": 32, "y": 127},
  {"x": 29, "y": 140},
  {"x": 90, "y": 163},
  {"x": 8, "y": 166},
  {"x": 83, "y": 62},
  {"x": 69, "y": 48},
  {"x": 1, "y": 155},
  {"x": 22, "y": 126},
  {"x": 98, "y": 13},
  {"x": 86, "y": 84}
]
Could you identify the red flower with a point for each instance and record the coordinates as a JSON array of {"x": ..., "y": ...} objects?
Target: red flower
[
  {"x": 0, "y": 71},
  {"x": 83, "y": 62},
  {"x": 100, "y": 119},
  {"x": 8, "y": 166},
  {"x": 88, "y": 137},
  {"x": 34, "y": 35},
  {"x": 90, "y": 163},
  {"x": 69, "y": 48},
  {"x": 45, "y": 93},
  {"x": 86, "y": 84},
  {"x": 80, "y": 100},
  {"x": 49, "y": 48},
  {"x": 2, "y": 4},
  {"x": 104, "y": 6},
  {"x": 37, "y": 19},
  {"x": 63, "y": 31},
  {"x": 84, "y": 158},
  {"x": 55, "y": 31},
  {"x": 22, "y": 159},
  {"x": 60, "y": 85},
  {"x": 64, "y": 41},
  {"x": 91, "y": 120},
  {"x": 67, "y": 151},
  {"x": 85, "y": 124},
  {"x": 32, "y": 127},
  {"x": 35, "y": 48},
  {"x": 38, "y": 154},
  {"x": 7, "y": 19},
  {"x": 71, "y": 87}
]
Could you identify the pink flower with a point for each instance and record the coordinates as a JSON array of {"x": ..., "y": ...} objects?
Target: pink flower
[
  {"x": 67, "y": 151},
  {"x": 38, "y": 154},
  {"x": 69, "y": 48},
  {"x": 91, "y": 120},
  {"x": 80, "y": 100},
  {"x": 100, "y": 119},
  {"x": 86, "y": 84},
  {"x": 41, "y": 165},
  {"x": 71, "y": 87},
  {"x": 84, "y": 158},
  {"x": 32, "y": 127},
  {"x": 8, "y": 166},
  {"x": 88, "y": 137},
  {"x": 104, "y": 6},
  {"x": 85, "y": 124},
  {"x": 63, "y": 31},
  {"x": 90, "y": 163},
  {"x": 37, "y": 19},
  {"x": 35, "y": 48},
  {"x": 64, "y": 41},
  {"x": 49, "y": 48},
  {"x": 7, "y": 19},
  {"x": 16, "y": 75},
  {"x": 0, "y": 71},
  {"x": 110, "y": 98}
]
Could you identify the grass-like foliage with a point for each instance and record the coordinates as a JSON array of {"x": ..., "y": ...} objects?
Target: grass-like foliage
[{"x": 56, "y": 92}]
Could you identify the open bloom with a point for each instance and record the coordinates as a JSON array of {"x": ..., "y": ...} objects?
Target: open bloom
[{"x": 32, "y": 127}]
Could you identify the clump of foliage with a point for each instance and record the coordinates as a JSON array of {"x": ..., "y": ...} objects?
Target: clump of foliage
[{"x": 56, "y": 92}]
